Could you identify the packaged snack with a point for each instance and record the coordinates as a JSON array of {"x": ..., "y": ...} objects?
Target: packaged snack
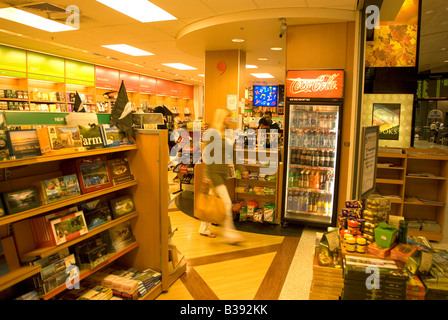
[{"x": 269, "y": 212}]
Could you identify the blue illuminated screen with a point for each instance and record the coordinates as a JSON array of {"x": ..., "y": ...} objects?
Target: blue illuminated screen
[{"x": 265, "y": 96}]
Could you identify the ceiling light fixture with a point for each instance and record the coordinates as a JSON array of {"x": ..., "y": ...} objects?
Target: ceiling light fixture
[
  {"x": 262, "y": 75},
  {"x": 262, "y": 59},
  {"x": 127, "y": 49},
  {"x": 141, "y": 10},
  {"x": 179, "y": 66},
  {"x": 276, "y": 49},
  {"x": 251, "y": 66},
  {"x": 238, "y": 40},
  {"x": 33, "y": 20}
]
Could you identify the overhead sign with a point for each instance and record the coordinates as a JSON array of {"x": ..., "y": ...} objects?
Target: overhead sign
[{"x": 315, "y": 84}]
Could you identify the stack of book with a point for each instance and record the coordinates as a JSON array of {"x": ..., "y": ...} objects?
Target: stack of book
[
  {"x": 328, "y": 281},
  {"x": 436, "y": 281},
  {"x": 368, "y": 278}
]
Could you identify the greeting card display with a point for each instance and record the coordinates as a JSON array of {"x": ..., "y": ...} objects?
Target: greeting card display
[{"x": 93, "y": 173}]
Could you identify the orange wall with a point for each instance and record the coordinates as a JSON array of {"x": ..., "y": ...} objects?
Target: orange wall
[{"x": 218, "y": 84}]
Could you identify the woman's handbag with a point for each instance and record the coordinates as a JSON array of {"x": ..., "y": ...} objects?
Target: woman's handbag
[{"x": 209, "y": 207}]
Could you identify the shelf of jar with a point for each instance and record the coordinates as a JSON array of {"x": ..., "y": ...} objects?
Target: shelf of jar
[{"x": 313, "y": 148}]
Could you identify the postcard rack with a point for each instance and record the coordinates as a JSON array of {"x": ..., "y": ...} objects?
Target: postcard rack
[{"x": 149, "y": 221}]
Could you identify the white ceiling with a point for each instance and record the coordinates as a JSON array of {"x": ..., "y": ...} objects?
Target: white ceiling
[{"x": 203, "y": 25}]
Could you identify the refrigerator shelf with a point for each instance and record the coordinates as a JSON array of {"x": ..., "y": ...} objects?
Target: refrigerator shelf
[
  {"x": 309, "y": 190},
  {"x": 308, "y": 213},
  {"x": 312, "y": 149},
  {"x": 313, "y": 129},
  {"x": 310, "y": 167}
]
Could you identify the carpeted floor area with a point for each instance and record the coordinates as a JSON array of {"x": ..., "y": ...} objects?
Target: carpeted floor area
[{"x": 184, "y": 202}]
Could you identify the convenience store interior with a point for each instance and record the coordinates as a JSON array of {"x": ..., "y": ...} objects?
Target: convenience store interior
[{"x": 282, "y": 262}]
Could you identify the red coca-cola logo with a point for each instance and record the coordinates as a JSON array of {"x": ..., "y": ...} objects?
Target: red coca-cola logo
[{"x": 315, "y": 83}]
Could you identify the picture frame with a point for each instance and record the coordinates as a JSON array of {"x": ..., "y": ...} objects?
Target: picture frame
[
  {"x": 60, "y": 188},
  {"x": 23, "y": 143},
  {"x": 93, "y": 173},
  {"x": 21, "y": 200}
]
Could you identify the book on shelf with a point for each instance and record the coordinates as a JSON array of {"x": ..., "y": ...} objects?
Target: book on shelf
[
  {"x": 91, "y": 252},
  {"x": 64, "y": 137},
  {"x": 41, "y": 227},
  {"x": 16, "y": 201},
  {"x": 93, "y": 173},
  {"x": 122, "y": 206},
  {"x": 91, "y": 137},
  {"x": 68, "y": 227},
  {"x": 96, "y": 211},
  {"x": 60, "y": 188},
  {"x": 120, "y": 170},
  {"x": 4, "y": 269},
  {"x": 120, "y": 237},
  {"x": 23, "y": 143},
  {"x": 112, "y": 136}
]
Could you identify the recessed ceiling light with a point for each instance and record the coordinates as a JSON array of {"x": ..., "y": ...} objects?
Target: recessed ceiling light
[
  {"x": 179, "y": 66},
  {"x": 262, "y": 75},
  {"x": 141, "y": 10},
  {"x": 443, "y": 49},
  {"x": 276, "y": 49},
  {"x": 238, "y": 40},
  {"x": 262, "y": 59},
  {"x": 251, "y": 66},
  {"x": 33, "y": 20},
  {"x": 201, "y": 75},
  {"x": 124, "y": 48},
  {"x": 429, "y": 11}
]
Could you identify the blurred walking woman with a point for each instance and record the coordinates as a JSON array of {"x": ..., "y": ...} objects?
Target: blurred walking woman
[{"x": 217, "y": 171}]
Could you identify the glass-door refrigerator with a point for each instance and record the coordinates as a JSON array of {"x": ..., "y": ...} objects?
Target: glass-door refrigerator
[{"x": 313, "y": 117}]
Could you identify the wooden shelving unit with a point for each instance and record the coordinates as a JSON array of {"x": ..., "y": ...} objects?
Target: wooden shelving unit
[
  {"x": 418, "y": 180},
  {"x": 148, "y": 160}
]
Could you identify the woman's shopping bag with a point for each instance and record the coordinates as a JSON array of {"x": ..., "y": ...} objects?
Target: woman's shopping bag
[{"x": 209, "y": 207}]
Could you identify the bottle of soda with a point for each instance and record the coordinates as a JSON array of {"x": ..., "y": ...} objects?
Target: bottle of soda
[
  {"x": 289, "y": 204},
  {"x": 331, "y": 159},
  {"x": 291, "y": 178},
  {"x": 295, "y": 202}
]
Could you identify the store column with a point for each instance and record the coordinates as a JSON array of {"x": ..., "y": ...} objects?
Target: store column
[{"x": 225, "y": 77}]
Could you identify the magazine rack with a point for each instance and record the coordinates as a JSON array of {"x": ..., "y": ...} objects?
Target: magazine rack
[{"x": 148, "y": 160}]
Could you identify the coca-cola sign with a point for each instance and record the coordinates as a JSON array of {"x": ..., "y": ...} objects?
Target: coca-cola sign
[{"x": 315, "y": 83}]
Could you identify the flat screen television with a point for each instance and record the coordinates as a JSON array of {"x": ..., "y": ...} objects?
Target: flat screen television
[{"x": 265, "y": 96}]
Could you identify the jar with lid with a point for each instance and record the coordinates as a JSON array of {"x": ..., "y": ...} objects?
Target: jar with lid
[
  {"x": 361, "y": 245},
  {"x": 350, "y": 244},
  {"x": 353, "y": 227}
]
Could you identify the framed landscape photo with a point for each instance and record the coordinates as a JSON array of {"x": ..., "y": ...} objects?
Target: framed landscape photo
[{"x": 387, "y": 117}]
